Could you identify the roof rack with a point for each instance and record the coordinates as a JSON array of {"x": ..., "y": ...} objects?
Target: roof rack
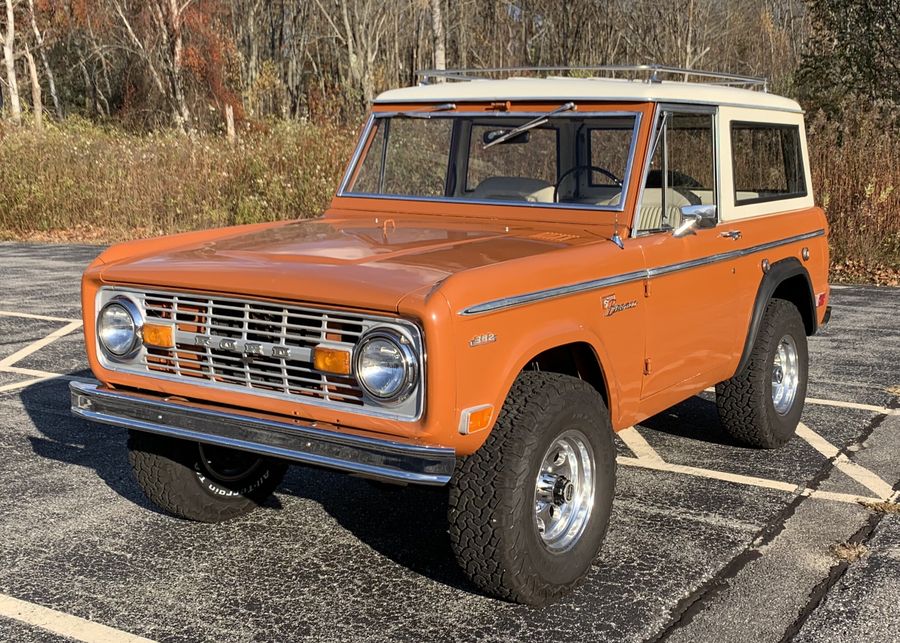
[{"x": 651, "y": 73}]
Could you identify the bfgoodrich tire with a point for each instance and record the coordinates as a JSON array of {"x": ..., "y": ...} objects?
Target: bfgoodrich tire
[
  {"x": 761, "y": 405},
  {"x": 529, "y": 510},
  {"x": 201, "y": 482}
]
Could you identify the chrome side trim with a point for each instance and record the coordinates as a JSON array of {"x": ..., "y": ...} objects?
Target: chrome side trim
[
  {"x": 372, "y": 457},
  {"x": 551, "y": 293},
  {"x": 605, "y": 282}
]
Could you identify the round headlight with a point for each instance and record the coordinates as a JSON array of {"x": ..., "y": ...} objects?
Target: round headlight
[
  {"x": 117, "y": 327},
  {"x": 385, "y": 365}
]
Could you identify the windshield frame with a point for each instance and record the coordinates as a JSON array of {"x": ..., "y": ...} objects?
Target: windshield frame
[{"x": 367, "y": 138}]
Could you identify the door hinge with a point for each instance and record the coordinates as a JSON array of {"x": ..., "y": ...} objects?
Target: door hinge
[
  {"x": 647, "y": 366},
  {"x": 646, "y": 288}
]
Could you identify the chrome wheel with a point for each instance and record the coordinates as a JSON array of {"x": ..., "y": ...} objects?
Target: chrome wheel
[
  {"x": 785, "y": 375},
  {"x": 564, "y": 491}
]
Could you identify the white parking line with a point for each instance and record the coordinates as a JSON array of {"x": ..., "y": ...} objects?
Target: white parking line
[
  {"x": 638, "y": 445},
  {"x": 7, "y": 313},
  {"x": 18, "y": 370},
  {"x": 840, "y": 404},
  {"x": 868, "y": 479},
  {"x": 751, "y": 481},
  {"x": 853, "y": 405},
  {"x": 39, "y": 344},
  {"x": 63, "y": 624}
]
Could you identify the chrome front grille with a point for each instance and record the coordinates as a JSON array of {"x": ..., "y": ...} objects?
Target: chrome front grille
[
  {"x": 259, "y": 324},
  {"x": 261, "y": 346}
]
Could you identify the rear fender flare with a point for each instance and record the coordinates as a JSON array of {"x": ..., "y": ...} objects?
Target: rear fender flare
[{"x": 778, "y": 273}]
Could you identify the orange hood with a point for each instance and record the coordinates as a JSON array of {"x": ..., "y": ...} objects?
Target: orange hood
[{"x": 359, "y": 261}]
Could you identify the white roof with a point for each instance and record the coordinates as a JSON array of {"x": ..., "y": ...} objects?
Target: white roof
[{"x": 587, "y": 89}]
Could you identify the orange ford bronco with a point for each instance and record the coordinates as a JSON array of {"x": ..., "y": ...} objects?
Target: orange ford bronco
[{"x": 510, "y": 271}]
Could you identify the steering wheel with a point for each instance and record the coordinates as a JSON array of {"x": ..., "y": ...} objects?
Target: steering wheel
[{"x": 572, "y": 170}]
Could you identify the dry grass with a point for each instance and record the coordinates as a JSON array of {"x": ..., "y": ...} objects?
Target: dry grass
[
  {"x": 82, "y": 182},
  {"x": 856, "y": 178},
  {"x": 849, "y": 552},
  {"x": 883, "y": 507}
]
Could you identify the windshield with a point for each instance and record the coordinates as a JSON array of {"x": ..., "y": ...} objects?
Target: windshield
[{"x": 567, "y": 160}]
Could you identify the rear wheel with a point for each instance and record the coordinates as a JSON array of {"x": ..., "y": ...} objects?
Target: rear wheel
[
  {"x": 201, "y": 482},
  {"x": 530, "y": 509},
  {"x": 761, "y": 405}
]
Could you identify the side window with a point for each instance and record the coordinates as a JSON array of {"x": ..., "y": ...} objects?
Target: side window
[
  {"x": 767, "y": 162},
  {"x": 682, "y": 170}
]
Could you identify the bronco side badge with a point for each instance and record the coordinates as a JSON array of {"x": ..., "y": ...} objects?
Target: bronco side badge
[{"x": 611, "y": 307}]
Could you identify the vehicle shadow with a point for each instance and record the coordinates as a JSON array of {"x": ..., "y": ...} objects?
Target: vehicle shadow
[
  {"x": 66, "y": 438},
  {"x": 695, "y": 419},
  {"x": 405, "y": 524}
]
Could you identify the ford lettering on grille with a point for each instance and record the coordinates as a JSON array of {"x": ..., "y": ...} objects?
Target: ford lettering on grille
[{"x": 248, "y": 349}]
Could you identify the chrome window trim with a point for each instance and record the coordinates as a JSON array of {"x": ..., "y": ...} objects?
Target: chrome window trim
[
  {"x": 357, "y": 152},
  {"x": 370, "y": 123},
  {"x": 697, "y": 108},
  {"x": 371, "y": 408},
  {"x": 637, "y": 275}
]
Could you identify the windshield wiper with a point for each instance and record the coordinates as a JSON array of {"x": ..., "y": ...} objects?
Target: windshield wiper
[
  {"x": 425, "y": 112},
  {"x": 537, "y": 122}
]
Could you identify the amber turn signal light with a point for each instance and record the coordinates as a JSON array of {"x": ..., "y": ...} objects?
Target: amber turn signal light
[
  {"x": 475, "y": 419},
  {"x": 159, "y": 335},
  {"x": 332, "y": 360}
]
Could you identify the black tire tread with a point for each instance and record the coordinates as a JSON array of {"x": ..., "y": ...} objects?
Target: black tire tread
[
  {"x": 741, "y": 401},
  {"x": 166, "y": 476},
  {"x": 479, "y": 482}
]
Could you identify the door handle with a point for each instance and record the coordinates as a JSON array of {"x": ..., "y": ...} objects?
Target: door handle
[{"x": 734, "y": 235}]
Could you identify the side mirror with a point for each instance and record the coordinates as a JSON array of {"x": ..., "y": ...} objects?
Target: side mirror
[{"x": 696, "y": 216}]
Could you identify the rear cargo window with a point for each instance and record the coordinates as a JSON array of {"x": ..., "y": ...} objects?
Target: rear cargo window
[{"x": 767, "y": 162}]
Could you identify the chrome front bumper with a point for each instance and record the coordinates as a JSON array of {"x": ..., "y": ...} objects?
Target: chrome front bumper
[{"x": 297, "y": 442}]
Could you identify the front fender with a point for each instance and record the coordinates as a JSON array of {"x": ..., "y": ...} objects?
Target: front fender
[{"x": 488, "y": 369}]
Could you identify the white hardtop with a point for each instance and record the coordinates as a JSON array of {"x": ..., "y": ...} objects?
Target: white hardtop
[{"x": 564, "y": 89}]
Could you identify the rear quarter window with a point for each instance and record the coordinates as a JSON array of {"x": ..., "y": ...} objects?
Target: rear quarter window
[{"x": 767, "y": 162}]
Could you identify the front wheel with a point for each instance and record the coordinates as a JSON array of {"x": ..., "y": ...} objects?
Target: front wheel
[
  {"x": 761, "y": 405},
  {"x": 530, "y": 509},
  {"x": 201, "y": 482}
]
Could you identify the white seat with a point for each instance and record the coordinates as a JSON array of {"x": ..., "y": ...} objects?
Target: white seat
[
  {"x": 652, "y": 209},
  {"x": 513, "y": 188}
]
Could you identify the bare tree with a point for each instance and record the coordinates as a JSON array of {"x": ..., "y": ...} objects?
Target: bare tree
[
  {"x": 42, "y": 50},
  {"x": 169, "y": 17},
  {"x": 37, "y": 103},
  {"x": 9, "y": 59},
  {"x": 361, "y": 29},
  {"x": 440, "y": 41}
]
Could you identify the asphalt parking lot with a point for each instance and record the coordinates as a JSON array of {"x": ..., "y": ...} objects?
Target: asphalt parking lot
[{"x": 709, "y": 541}]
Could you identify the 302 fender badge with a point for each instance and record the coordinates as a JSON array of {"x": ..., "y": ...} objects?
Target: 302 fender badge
[
  {"x": 479, "y": 340},
  {"x": 611, "y": 307}
]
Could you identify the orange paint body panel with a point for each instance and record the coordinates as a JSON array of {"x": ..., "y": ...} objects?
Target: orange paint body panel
[{"x": 430, "y": 261}]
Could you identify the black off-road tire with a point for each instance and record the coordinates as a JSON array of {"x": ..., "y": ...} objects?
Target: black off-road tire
[
  {"x": 492, "y": 494},
  {"x": 744, "y": 402},
  {"x": 175, "y": 476}
]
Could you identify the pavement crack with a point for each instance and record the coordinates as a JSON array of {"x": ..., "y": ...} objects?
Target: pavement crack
[{"x": 688, "y": 607}]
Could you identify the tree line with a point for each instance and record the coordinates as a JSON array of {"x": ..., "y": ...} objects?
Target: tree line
[{"x": 154, "y": 63}]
